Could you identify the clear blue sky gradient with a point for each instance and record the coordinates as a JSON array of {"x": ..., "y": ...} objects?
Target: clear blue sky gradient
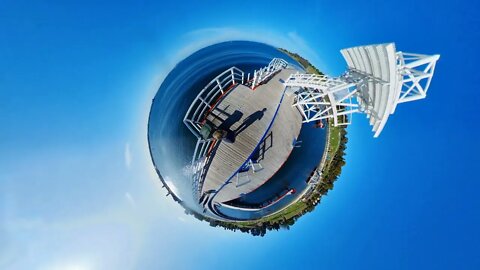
[{"x": 77, "y": 188}]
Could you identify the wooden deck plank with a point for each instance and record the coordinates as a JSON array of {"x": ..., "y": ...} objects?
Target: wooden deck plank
[{"x": 230, "y": 156}]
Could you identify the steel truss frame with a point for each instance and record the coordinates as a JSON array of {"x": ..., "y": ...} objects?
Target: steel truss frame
[
  {"x": 323, "y": 97},
  {"x": 416, "y": 72}
]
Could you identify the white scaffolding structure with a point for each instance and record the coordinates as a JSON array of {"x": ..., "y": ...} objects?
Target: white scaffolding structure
[
  {"x": 321, "y": 97},
  {"x": 417, "y": 72},
  {"x": 377, "y": 80}
]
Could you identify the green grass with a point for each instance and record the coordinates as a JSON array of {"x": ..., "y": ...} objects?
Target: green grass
[
  {"x": 287, "y": 213},
  {"x": 334, "y": 143},
  {"x": 309, "y": 69}
]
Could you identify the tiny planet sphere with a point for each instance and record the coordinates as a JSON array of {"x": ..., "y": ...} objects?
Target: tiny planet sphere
[{"x": 225, "y": 139}]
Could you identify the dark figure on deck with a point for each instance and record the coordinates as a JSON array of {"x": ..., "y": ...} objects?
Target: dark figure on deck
[
  {"x": 250, "y": 120},
  {"x": 227, "y": 124},
  {"x": 230, "y": 120}
]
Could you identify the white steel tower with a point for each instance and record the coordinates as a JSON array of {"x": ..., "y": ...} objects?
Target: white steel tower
[{"x": 378, "y": 78}]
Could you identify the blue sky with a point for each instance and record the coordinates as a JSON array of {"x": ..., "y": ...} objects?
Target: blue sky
[{"x": 77, "y": 188}]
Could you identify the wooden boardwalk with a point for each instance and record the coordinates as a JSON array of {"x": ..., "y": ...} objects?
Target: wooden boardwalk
[{"x": 247, "y": 114}]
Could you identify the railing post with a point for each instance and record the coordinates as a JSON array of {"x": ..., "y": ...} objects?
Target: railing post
[
  {"x": 220, "y": 86},
  {"x": 254, "y": 78}
]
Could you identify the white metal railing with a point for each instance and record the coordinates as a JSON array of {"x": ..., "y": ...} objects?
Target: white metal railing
[
  {"x": 196, "y": 115},
  {"x": 199, "y": 160},
  {"x": 262, "y": 206},
  {"x": 317, "y": 81},
  {"x": 264, "y": 73},
  {"x": 209, "y": 95}
]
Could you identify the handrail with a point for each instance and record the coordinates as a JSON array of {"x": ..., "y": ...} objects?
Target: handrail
[
  {"x": 203, "y": 103},
  {"x": 207, "y": 97},
  {"x": 264, "y": 73},
  {"x": 262, "y": 206}
]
